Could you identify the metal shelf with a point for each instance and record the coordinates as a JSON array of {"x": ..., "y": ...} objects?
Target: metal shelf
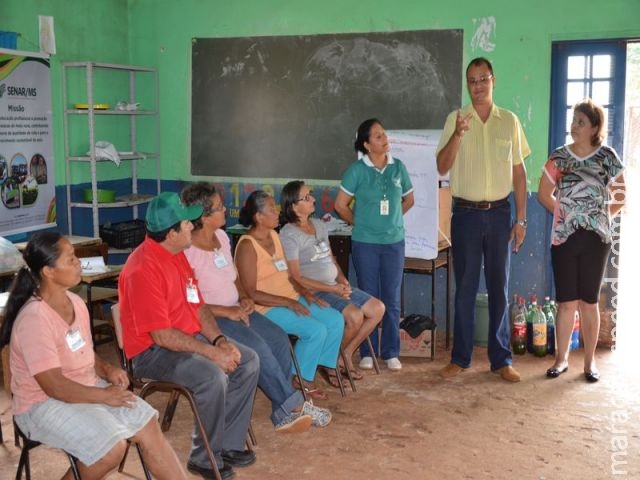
[
  {"x": 113, "y": 66},
  {"x": 86, "y": 111},
  {"x": 134, "y": 199},
  {"x": 144, "y": 78},
  {"x": 122, "y": 155}
]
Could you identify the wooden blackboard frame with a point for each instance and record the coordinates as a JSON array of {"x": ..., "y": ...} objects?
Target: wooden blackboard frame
[{"x": 288, "y": 106}]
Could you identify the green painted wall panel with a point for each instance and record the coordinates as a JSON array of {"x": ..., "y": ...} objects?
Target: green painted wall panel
[
  {"x": 521, "y": 36},
  {"x": 158, "y": 33},
  {"x": 84, "y": 30}
]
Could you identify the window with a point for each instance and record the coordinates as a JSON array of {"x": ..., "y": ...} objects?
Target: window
[{"x": 593, "y": 69}]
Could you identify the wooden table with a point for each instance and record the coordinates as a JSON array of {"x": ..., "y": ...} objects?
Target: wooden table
[
  {"x": 96, "y": 287},
  {"x": 79, "y": 243},
  {"x": 430, "y": 267},
  {"x": 76, "y": 241}
]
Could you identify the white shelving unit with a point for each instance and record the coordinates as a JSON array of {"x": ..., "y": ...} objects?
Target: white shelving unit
[{"x": 141, "y": 82}]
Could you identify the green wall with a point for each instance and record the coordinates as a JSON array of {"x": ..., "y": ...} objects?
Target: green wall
[{"x": 159, "y": 32}]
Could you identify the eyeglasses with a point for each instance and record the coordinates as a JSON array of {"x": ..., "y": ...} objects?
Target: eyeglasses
[
  {"x": 480, "y": 80},
  {"x": 211, "y": 210},
  {"x": 307, "y": 198}
]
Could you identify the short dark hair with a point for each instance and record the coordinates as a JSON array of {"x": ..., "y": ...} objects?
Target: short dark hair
[
  {"x": 288, "y": 198},
  {"x": 364, "y": 132},
  {"x": 595, "y": 114},
  {"x": 199, "y": 193},
  {"x": 254, "y": 204},
  {"x": 161, "y": 236},
  {"x": 477, "y": 62}
]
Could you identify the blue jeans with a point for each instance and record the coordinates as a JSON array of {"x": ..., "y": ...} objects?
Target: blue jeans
[
  {"x": 379, "y": 269},
  {"x": 478, "y": 234},
  {"x": 271, "y": 343},
  {"x": 224, "y": 402},
  {"x": 319, "y": 335}
]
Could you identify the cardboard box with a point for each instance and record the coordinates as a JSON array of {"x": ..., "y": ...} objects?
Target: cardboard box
[
  {"x": 444, "y": 214},
  {"x": 607, "y": 324},
  {"x": 415, "y": 347}
]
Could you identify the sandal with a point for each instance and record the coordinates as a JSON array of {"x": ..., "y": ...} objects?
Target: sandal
[
  {"x": 355, "y": 373},
  {"x": 310, "y": 389},
  {"x": 316, "y": 393},
  {"x": 330, "y": 376}
]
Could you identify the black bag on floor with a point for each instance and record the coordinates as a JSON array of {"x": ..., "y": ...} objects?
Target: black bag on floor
[{"x": 415, "y": 324}]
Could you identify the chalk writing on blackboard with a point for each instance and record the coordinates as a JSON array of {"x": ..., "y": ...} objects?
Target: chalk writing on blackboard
[{"x": 288, "y": 107}]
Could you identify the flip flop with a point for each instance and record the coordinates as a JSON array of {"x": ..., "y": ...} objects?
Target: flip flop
[
  {"x": 316, "y": 393},
  {"x": 355, "y": 373},
  {"x": 330, "y": 376},
  {"x": 310, "y": 389}
]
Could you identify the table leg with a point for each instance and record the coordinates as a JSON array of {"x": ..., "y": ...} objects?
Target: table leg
[
  {"x": 402, "y": 297},
  {"x": 434, "y": 276},
  {"x": 449, "y": 272},
  {"x": 90, "y": 308}
]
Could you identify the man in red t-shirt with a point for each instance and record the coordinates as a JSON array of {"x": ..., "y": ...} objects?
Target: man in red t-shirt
[{"x": 170, "y": 335}]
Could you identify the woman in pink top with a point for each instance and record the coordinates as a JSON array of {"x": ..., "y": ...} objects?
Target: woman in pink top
[{"x": 64, "y": 395}]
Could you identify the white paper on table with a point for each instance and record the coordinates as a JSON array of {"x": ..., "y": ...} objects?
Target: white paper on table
[
  {"x": 93, "y": 265},
  {"x": 335, "y": 224}
]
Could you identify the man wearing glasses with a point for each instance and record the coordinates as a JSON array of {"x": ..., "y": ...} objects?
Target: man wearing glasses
[{"x": 483, "y": 147}]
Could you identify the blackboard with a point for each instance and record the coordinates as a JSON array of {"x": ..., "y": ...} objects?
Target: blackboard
[{"x": 289, "y": 106}]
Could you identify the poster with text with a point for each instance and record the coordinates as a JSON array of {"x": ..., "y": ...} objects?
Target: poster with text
[
  {"x": 417, "y": 150},
  {"x": 27, "y": 186}
]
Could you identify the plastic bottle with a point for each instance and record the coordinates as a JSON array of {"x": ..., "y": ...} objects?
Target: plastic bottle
[
  {"x": 533, "y": 306},
  {"x": 513, "y": 308},
  {"x": 550, "y": 314},
  {"x": 519, "y": 328},
  {"x": 575, "y": 334},
  {"x": 539, "y": 324}
]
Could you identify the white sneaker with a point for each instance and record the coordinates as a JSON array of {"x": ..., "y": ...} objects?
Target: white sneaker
[
  {"x": 393, "y": 364},
  {"x": 366, "y": 363}
]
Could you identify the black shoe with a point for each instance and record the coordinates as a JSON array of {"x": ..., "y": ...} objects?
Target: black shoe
[
  {"x": 555, "y": 373},
  {"x": 592, "y": 377},
  {"x": 238, "y": 458},
  {"x": 226, "y": 472}
]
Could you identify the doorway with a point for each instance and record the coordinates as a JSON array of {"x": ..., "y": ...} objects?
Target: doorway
[{"x": 627, "y": 328}]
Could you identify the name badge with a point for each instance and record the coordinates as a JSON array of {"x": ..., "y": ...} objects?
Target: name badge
[
  {"x": 192, "y": 292},
  {"x": 384, "y": 206},
  {"x": 219, "y": 260},
  {"x": 280, "y": 263},
  {"x": 74, "y": 340}
]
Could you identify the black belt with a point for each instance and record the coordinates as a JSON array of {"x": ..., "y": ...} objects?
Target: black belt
[{"x": 483, "y": 205}]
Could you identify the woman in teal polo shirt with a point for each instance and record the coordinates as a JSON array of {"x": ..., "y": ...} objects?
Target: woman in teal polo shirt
[{"x": 383, "y": 193}]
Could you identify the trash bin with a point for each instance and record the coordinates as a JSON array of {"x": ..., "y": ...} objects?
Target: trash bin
[{"x": 481, "y": 332}]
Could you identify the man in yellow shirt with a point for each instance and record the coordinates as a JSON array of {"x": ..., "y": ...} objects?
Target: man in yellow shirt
[{"x": 483, "y": 147}]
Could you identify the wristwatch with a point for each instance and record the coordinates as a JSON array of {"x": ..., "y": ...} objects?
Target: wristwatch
[{"x": 522, "y": 223}]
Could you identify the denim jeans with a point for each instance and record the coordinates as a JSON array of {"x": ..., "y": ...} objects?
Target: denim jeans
[
  {"x": 271, "y": 343},
  {"x": 478, "y": 235},
  {"x": 379, "y": 269},
  {"x": 225, "y": 402},
  {"x": 319, "y": 335}
]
